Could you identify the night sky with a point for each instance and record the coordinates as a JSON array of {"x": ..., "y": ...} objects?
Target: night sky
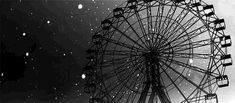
[{"x": 43, "y": 45}]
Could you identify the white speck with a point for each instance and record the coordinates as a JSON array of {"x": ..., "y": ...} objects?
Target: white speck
[
  {"x": 80, "y": 6},
  {"x": 138, "y": 75},
  {"x": 190, "y": 61},
  {"x": 24, "y": 34},
  {"x": 2, "y": 74},
  {"x": 27, "y": 54},
  {"x": 189, "y": 75},
  {"x": 83, "y": 76},
  {"x": 64, "y": 54},
  {"x": 48, "y": 21},
  {"x": 212, "y": 55}
]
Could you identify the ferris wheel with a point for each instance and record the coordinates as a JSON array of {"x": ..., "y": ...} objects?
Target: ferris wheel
[{"x": 158, "y": 51}]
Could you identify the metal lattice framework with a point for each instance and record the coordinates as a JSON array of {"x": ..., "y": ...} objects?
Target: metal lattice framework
[{"x": 158, "y": 51}]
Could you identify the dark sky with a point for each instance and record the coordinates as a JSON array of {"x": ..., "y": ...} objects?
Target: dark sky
[{"x": 43, "y": 45}]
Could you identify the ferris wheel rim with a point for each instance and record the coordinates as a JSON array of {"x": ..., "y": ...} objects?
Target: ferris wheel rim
[{"x": 179, "y": 73}]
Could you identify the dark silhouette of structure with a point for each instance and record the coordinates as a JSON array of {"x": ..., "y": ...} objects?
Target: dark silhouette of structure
[{"x": 146, "y": 49}]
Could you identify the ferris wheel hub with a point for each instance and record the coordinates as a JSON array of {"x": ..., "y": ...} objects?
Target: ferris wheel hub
[{"x": 151, "y": 56}]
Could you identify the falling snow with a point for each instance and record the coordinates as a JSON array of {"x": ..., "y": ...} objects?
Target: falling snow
[{"x": 80, "y": 6}]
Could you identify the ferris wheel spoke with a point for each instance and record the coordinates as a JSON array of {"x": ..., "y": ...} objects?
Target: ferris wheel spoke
[
  {"x": 189, "y": 55},
  {"x": 159, "y": 16},
  {"x": 129, "y": 96},
  {"x": 121, "y": 83},
  {"x": 111, "y": 73},
  {"x": 124, "y": 71},
  {"x": 121, "y": 44},
  {"x": 189, "y": 48},
  {"x": 191, "y": 45},
  {"x": 124, "y": 65},
  {"x": 159, "y": 22},
  {"x": 190, "y": 23},
  {"x": 135, "y": 96},
  {"x": 187, "y": 25},
  {"x": 118, "y": 93},
  {"x": 170, "y": 18},
  {"x": 120, "y": 52},
  {"x": 191, "y": 37},
  {"x": 179, "y": 22},
  {"x": 138, "y": 60},
  {"x": 172, "y": 81},
  {"x": 116, "y": 61},
  {"x": 138, "y": 79},
  {"x": 132, "y": 83},
  {"x": 168, "y": 15},
  {"x": 113, "y": 86},
  {"x": 149, "y": 17},
  {"x": 192, "y": 34},
  {"x": 179, "y": 19},
  {"x": 125, "y": 80},
  {"x": 141, "y": 26},
  {"x": 128, "y": 37},
  {"x": 132, "y": 28},
  {"x": 150, "y": 23},
  {"x": 165, "y": 84},
  {"x": 194, "y": 68},
  {"x": 191, "y": 82}
]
